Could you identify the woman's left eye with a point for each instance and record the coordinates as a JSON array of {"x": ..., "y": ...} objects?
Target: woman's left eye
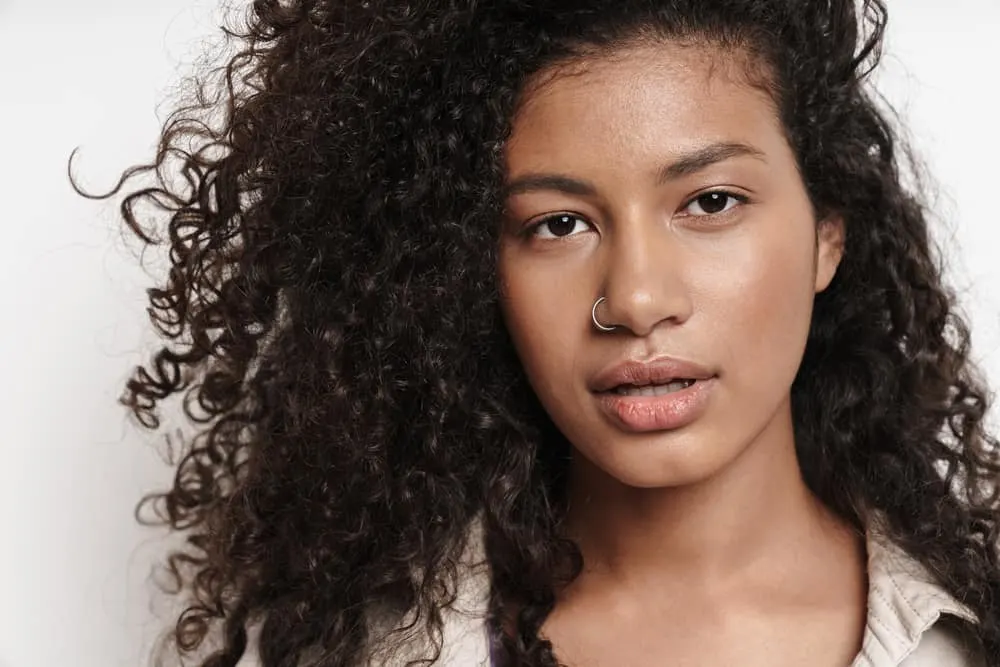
[{"x": 714, "y": 203}]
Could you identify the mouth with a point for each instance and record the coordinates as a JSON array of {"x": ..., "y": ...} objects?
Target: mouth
[
  {"x": 654, "y": 394},
  {"x": 655, "y": 376},
  {"x": 652, "y": 389},
  {"x": 657, "y": 406}
]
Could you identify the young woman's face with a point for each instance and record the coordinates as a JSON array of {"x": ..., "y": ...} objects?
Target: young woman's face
[{"x": 659, "y": 179}]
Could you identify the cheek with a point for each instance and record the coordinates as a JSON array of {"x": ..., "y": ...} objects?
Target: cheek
[
  {"x": 540, "y": 312},
  {"x": 765, "y": 308}
]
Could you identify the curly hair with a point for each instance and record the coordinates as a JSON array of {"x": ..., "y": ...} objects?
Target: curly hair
[{"x": 331, "y": 319}]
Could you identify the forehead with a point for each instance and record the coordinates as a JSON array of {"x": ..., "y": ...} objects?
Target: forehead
[{"x": 645, "y": 100}]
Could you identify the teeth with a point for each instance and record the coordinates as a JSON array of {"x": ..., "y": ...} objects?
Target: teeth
[{"x": 653, "y": 389}]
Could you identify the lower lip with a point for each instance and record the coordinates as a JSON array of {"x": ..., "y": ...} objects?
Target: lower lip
[{"x": 658, "y": 413}]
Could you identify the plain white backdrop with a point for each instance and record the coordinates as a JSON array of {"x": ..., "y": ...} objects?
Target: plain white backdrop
[{"x": 73, "y": 563}]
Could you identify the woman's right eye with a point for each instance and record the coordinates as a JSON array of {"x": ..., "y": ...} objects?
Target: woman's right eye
[{"x": 559, "y": 226}]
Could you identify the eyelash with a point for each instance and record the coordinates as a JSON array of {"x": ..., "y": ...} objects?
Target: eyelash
[{"x": 741, "y": 199}]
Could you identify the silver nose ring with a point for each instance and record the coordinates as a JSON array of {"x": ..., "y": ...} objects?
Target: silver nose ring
[{"x": 593, "y": 316}]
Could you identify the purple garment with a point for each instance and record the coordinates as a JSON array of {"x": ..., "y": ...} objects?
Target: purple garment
[{"x": 494, "y": 648}]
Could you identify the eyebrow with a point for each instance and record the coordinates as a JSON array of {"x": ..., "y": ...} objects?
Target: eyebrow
[{"x": 684, "y": 165}]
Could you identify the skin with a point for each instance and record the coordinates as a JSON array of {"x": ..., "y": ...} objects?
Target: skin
[{"x": 702, "y": 543}]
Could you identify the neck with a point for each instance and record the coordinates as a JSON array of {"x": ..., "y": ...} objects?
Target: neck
[{"x": 756, "y": 515}]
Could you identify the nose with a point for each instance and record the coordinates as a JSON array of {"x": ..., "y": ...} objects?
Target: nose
[{"x": 644, "y": 277}]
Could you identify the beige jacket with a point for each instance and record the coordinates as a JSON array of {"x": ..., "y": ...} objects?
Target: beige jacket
[{"x": 912, "y": 621}]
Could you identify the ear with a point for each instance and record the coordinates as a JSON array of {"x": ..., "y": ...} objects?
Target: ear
[{"x": 830, "y": 234}]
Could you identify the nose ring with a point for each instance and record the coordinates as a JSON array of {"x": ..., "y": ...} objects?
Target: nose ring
[{"x": 593, "y": 316}]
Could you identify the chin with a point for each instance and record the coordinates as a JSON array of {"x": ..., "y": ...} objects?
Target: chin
[
  {"x": 647, "y": 478},
  {"x": 666, "y": 465}
]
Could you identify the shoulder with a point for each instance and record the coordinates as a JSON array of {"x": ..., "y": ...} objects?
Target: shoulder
[
  {"x": 464, "y": 636},
  {"x": 912, "y": 620},
  {"x": 944, "y": 644}
]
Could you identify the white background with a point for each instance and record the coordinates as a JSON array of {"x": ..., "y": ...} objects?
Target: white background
[{"x": 73, "y": 564}]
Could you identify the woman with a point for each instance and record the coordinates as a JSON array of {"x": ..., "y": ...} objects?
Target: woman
[{"x": 581, "y": 333}]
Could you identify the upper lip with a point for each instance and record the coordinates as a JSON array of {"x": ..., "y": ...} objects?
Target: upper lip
[{"x": 658, "y": 370}]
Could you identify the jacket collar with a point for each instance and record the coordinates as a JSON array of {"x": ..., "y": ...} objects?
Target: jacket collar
[{"x": 904, "y": 601}]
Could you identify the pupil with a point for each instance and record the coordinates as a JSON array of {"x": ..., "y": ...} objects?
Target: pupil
[
  {"x": 713, "y": 202},
  {"x": 562, "y": 225}
]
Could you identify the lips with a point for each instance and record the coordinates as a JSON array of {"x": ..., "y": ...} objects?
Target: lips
[{"x": 639, "y": 373}]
